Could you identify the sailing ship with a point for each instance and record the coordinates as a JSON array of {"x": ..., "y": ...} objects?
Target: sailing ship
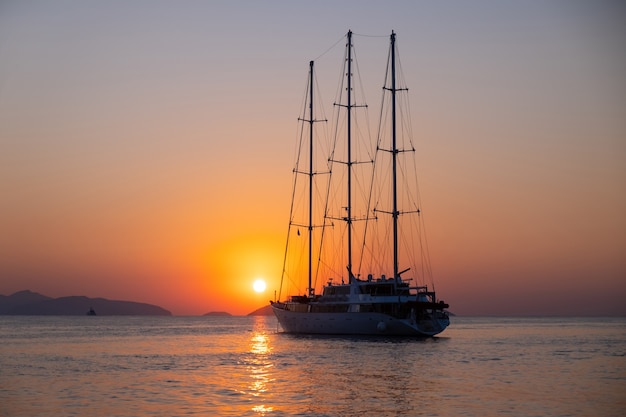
[{"x": 369, "y": 302}]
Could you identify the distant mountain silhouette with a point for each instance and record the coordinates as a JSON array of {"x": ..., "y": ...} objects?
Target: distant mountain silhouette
[
  {"x": 32, "y": 304},
  {"x": 263, "y": 311},
  {"x": 8, "y": 302},
  {"x": 217, "y": 314}
]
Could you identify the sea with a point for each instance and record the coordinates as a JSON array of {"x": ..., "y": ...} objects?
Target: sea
[{"x": 245, "y": 366}]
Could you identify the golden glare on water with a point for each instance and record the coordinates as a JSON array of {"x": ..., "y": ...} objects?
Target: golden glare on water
[
  {"x": 260, "y": 369},
  {"x": 259, "y": 285}
]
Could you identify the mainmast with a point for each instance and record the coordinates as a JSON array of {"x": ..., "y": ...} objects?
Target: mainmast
[
  {"x": 349, "y": 157},
  {"x": 349, "y": 162},
  {"x": 394, "y": 153}
]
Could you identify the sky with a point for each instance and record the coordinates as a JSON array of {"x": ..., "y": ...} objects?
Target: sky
[{"x": 146, "y": 147}]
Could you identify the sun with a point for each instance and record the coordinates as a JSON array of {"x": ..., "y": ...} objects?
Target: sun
[{"x": 259, "y": 285}]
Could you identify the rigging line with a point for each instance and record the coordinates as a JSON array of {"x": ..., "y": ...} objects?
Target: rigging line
[
  {"x": 326, "y": 208},
  {"x": 301, "y": 126},
  {"x": 384, "y": 97},
  {"x": 291, "y": 210},
  {"x": 424, "y": 242},
  {"x": 280, "y": 289},
  {"x": 369, "y": 36},
  {"x": 361, "y": 90},
  {"x": 293, "y": 193},
  {"x": 371, "y": 188},
  {"x": 329, "y": 49},
  {"x": 427, "y": 269},
  {"x": 337, "y": 112},
  {"x": 406, "y": 102},
  {"x": 319, "y": 103},
  {"x": 325, "y": 141},
  {"x": 368, "y": 208}
]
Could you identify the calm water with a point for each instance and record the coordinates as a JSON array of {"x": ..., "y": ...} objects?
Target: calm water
[{"x": 180, "y": 366}]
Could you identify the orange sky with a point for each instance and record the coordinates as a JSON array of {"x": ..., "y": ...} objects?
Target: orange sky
[{"x": 146, "y": 148}]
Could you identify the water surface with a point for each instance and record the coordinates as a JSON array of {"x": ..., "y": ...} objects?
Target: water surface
[{"x": 233, "y": 366}]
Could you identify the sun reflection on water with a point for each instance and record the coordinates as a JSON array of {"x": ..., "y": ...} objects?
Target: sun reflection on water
[
  {"x": 259, "y": 369},
  {"x": 259, "y": 344}
]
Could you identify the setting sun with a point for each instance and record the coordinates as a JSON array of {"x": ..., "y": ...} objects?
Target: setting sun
[{"x": 259, "y": 285}]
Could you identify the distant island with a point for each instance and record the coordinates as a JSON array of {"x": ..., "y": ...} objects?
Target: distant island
[
  {"x": 30, "y": 303},
  {"x": 217, "y": 314},
  {"x": 263, "y": 311}
]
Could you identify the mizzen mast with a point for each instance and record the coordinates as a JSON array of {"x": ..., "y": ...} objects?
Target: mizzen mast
[{"x": 394, "y": 151}]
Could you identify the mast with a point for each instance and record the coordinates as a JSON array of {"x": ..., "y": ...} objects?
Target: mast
[
  {"x": 394, "y": 153},
  {"x": 311, "y": 121},
  {"x": 349, "y": 162},
  {"x": 349, "y": 157}
]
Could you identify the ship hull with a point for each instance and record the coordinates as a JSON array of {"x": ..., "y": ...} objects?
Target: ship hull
[{"x": 358, "y": 323}]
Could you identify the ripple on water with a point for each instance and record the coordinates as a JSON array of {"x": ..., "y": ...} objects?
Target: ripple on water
[{"x": 241, "y": 366}]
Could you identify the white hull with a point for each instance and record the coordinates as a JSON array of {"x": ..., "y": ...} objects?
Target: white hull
[{"x": 357, "y": 323}]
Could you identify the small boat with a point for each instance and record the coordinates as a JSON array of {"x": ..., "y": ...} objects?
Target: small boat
[
  {"x": 91, "y": 312},
  {"x": 367, "y": 221}
]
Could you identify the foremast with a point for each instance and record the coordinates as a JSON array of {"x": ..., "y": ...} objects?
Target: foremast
[
  {"x": 310, "y": 173},
  {"x": 311, "y": 121}
]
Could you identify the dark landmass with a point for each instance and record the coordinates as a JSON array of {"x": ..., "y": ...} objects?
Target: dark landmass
[
  {"x": 217, "y": 314},
  {"x": 30, "y": 303},
  {"x": 263, "y": 311},
  {"x": 20, "y": 298}
]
